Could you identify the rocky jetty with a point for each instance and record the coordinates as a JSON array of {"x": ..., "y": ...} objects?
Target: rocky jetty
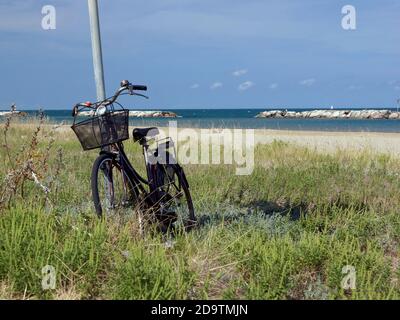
[
  {"x": 153, "y": 114},
  {"x": 331, "y": 114},
  {"x": 141, "y": 114},
  {"x": 13, "y": 114}
]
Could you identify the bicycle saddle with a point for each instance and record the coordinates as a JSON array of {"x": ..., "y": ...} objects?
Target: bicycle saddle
[{"x": 140, "y": 133}]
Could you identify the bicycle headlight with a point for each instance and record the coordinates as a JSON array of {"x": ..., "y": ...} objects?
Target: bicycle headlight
[{"x": 101, "y": 110}]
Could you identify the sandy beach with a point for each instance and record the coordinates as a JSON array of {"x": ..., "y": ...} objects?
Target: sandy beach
[
  {"x": 332, "y": 141},
  {"x": 320, "y": 141},
  {"x": 328, "y": 142}
]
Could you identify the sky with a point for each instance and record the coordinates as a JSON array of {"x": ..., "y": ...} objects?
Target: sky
[{"x": 204, "y": 54}]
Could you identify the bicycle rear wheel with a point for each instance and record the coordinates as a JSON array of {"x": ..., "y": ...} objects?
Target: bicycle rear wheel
[
  {"x": 112, "y": 190},
  {"x": 176, "y": 205}
]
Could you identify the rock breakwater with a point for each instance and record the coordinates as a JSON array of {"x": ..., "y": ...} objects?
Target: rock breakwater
[{"x": 331, "y": 114}]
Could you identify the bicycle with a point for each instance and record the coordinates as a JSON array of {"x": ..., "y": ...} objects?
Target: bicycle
[{"x": 115, "y": 183}]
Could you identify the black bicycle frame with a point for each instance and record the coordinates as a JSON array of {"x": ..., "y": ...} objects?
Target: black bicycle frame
[{"x": 135, "y": 178}]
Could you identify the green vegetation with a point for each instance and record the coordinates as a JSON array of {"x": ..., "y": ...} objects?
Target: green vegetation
[{"x": 284, "y": 232}]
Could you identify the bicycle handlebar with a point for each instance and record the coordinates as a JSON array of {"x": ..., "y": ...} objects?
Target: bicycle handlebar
[
  {"x": 139, "y": 87},
  {"x": 125, "y": 85}
]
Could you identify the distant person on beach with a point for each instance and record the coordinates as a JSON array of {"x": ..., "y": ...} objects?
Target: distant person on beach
[{"x": 13, "y": 107}]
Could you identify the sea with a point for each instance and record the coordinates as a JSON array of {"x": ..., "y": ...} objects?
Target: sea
[{"x": 245, "y": 119}]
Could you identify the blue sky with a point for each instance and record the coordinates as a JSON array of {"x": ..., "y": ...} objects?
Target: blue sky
[{"x": 204, "y": 54}]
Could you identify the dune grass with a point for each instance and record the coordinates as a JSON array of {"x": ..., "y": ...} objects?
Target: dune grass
[{"x": 284, "y": 232}]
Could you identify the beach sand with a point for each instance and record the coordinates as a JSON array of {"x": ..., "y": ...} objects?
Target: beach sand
[
  {"x": 320, "y": 141},
  {"x": 327, "y": 142}
]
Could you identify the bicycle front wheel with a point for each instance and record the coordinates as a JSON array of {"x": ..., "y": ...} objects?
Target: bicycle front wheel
[{"x": 112, "y": 190}]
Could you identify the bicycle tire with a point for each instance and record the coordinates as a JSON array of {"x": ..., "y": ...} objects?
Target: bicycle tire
[
  {"x": 165, "y": 171},
  {"x": 117, "y": 189}
]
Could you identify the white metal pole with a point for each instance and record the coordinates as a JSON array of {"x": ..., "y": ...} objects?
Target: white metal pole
[{"x": 96, "y": 49}]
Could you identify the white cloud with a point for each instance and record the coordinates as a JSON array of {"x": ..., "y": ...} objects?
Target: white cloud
[
  {"x": 307, "y": 82},
  {"x": 194, "y": 86},
  {"x": 245, "y": 85},
  {"x": 216, "y": 85},
  {"x": 273, "y": 86},
  {"x": 239, "y": 73}
]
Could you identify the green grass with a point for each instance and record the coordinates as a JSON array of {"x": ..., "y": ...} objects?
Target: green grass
[{"x": 284, "y": 232}]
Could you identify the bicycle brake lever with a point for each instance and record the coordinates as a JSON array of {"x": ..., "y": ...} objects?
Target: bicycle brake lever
[
  {"x": 75, "y": 110},
  {"x": 141, "y": 95}
]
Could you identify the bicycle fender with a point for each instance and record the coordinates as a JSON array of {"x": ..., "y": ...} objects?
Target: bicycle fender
[{"x": 180, "y": 171}]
